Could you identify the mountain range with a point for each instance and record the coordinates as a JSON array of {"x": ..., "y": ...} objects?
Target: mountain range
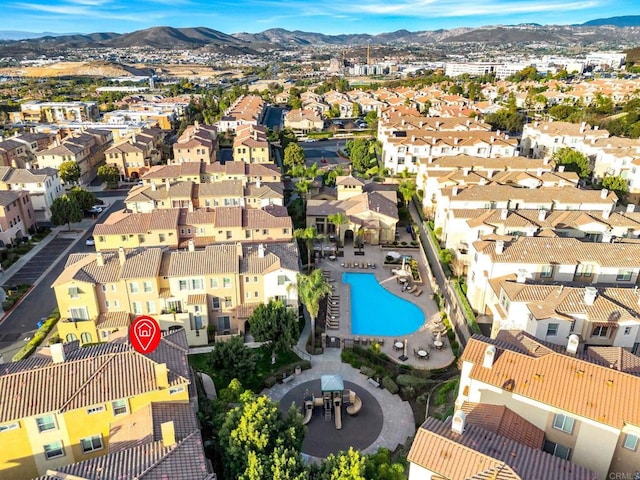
[{"x": 598, "y": 30}]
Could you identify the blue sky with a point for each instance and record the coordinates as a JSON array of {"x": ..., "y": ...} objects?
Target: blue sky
[{"x": 331, "y": 17}]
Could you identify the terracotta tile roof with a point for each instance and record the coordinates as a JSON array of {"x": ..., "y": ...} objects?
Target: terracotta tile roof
[
  {"x": 214, "y": 259},
  {"x": 114, "y": 320},
  {"x": 256, "y": 218},
  {"x": 563, "y": 382},
  {"x": 122, "y": 223},
  {"x": 219, "y": 189},
  {"x": 502, "y": 163},
  {"x": 479, "y": 453},
  {"x": 543, "y": 195},
  {"x": 197, "y": 299},
  {"x": 228, "y": 217},
  {"x": 266, "y": 190}
]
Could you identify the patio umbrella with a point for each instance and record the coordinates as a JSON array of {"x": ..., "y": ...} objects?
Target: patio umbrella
[
  {"x": 405, "y": 348},
  {"x": 395, "y": 255},
  {"x": 400, "y": 273}
]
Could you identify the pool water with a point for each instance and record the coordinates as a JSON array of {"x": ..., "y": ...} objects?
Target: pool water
[{"x": 376, "y": 311}]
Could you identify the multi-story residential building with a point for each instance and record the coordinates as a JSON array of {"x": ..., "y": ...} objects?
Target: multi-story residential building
[
  {"x": 16, "y": 215},
  {"x": 198, "y": 143},
  {"x": 86, "y": 149},
  {"x": 393, "y": 122},
  {"x": 549, "y": 260},
  {"x": 43, "y": 186},
  {"x": 303, "y": 121},
  {"x": 98, "y": 294},
  {"x": 35, "y": 141},
  {"x": 371, "y": 209},
  {"x": 14, "y": 154},
  {"x": 246, "y": 110},
  {"x": 217, "y": 172},
  {"x": 586, "y": 403},
  {"x": 165, "y": 119},
  {"x": 598, "y": 316},
  {"x": 54, "y": 112},
  {"x": 136, "y": 154},
  {"x": 146, "y": 198},
  {"x": 455, "y": 69},
  {"x": 58, "y": 407},
  {"x": 481, "y": 441},
  {"x": 543, "y": 139},
  {"x": 251, "y": 145},
  {"x": 177, "y": 227}
]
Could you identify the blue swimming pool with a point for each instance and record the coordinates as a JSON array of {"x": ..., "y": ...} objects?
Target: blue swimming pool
[{"x": 376, "y": 311}]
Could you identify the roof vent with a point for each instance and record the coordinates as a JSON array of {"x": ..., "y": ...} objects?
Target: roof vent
[
  {"x": 603, "y": 193},
  {"x": 542, "y": 214},
  {"x": 100, "y": 259},
  {"x": 458, "y": 421},
  {"x": 504, "y": 213},
  {"x": 573, "y": 344},
  {"x": 631, "y": 208},
  {"x": 57, "y": 352},
  {"x": 560, "y": 168},
  {"x": 499, "y": 247},
  {"x": 521, "y": 275},
  {"x": 489, "y": 356},
  {"x": 261, "y": 251},
  {"x": 590, "y": 294}
]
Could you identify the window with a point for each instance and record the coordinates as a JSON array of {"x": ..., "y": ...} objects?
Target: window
[
  {"x": 162, "y": 237},
  {"x": 53, "y": 450},
  {"x": 630, "y": 441},
  {"x": 71, "y": 337},
  {"x": 85, "y": 337},
  {"x": 563, "y": 422},
  {"x": 116, "y": 303},
  {"x": 151, "y": 307},
  {"x": 227, "y": 302},
  {"x": 197, "y": 284},
  {"x": 547, "y": 271},
  {"x": 137, "y": 307},
  {"x": 255, "y": 294},
  {"x": 229, "y": 235},
  {"x": 91, "y": 444},
  {"x": 46, "y": 423},
  {"x": 255, "y": 279},
  {"x": 552, "y": 329},
  {"x": 182, "y": 285},
  {"x": 587, "y": 270},
  {"x": 282, "y": 279},
  {"x": 504, "y": 301},
  {"x": 147, "y": 286},
  {"x": 74, "y": 292},
  {"x": 246, "y": 279},
  {"x": 623, "y": 275},
  {"x": 134, "y": 287},
  {"x": 213, "y": 283},
  {"x": 104, "y": 288},
  {"x": 226, "y": 282},
  {"x": 600, "y": 331},
  {"x": 9, "y": 426},
  {"x": 556, "y": 449},
  {"x": 223, "y": 323},
  {"x": 215, "y": 303},
  {"x": 79, "y": 313},
  {"x": 99, "y": 408}
]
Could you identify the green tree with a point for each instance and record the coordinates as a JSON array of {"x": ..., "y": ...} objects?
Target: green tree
[
  {"x": 338, "y": 219},
  {"x": 232, "y": 359},
  {"x": 573, "y": 161},
  {"x": 380, "y": 467},
  {"x": 70, "y": 172},
  {"x": 362, "y": 153},
  {"x": 372, "y": 119},
  {"x": 311, "y": 289},
  {"x": 109, "y": 174},
  {"x": 344, "y": 466},
  {"x": 616, "y": 184},
  {"x": 308, "y": 236},
  {"x": 506, "y": 119},
  {"x": 84, "y": 198},
  {"x": 356, "y": 110},
  {"x": 65, "y": 209},
  {"x": 294, "y": 155},
  {"x": 407, "y": 189},
  {"x": 334, "y": 112},
  {"x": 446, "y": 256},
  {"x": 274, "y": 322},
  {"x": 302, "y": 186}
]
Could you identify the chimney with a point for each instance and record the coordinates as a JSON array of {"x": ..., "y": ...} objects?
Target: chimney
[
  {"x": 167, "y": 184},
  {"x": 168, "y": 434},
  {"x": 539, "y": 172},
  {"x": 162, "y": 375},
  {"x": 546, "y": 161},
  {"x": 573, "y": 344},
  {"x": 57, "y": 352},
  {"x": 458, "y": 421},
  {"x": 413, "y": 138},
  {"x": 631, "y": 208},
  {"x": 456, "y": 140},
  {"x": 261, "y": 251},
  {"x": 465, "y": 171},
  {"x": 489, "y": 173},
  {"x": 504, "y": 213},
  {"x": 489, "y": 356},
  {"x": 583, "y": 127},
  {"x": 560, "y": 168},
  {"x": 437, "y": 125},
  {"x": 590, "y": 294},
  {"x": 121, "y": 256},
  {"x": 454, "y": 191},
  {"x": 239, "y": 250},
  {"x": 542, "y": 214},
  {"x": 603, "y": 193},
  {"x": 192, "y": 246},
  {"x": 521, "y": 276},
  {"x": 606, "y": 237},
  {"x": 258, "y": 183},
  {"x": 493, "y": 139},
  {"x": 100, "y": 259},
  {"x": 499, "y": 246},
  {"x": 606, "y": 214},
  {"x": 561, "y": 183},
  {"x": 153, "y": 186}
]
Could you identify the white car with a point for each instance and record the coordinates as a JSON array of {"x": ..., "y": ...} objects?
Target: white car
[
  {"x": 95, "y": 209},
  {"x": 90, "y": 241}
]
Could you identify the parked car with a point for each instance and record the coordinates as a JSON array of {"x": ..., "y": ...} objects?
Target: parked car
[
  {"x": 41, "y": 322},
  {"x": 90, "y": 242},
  {"x": 95, "y": 209}
]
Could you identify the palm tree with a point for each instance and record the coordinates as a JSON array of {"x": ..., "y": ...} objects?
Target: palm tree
[
  {"x": 338, "y": 219},
  {"x": 311, "y": 289},
  {"x": 308, "y": 236},
  {"x": 302, "y": 187},
  {"x": 407, "y": 189}
]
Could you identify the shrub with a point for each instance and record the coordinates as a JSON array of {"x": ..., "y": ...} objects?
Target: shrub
[
  {"x": 455, "y": 348},
  {"x": 304, "y": 365},
  {"x": 403, "y": 243},
  {"x": 394, "y": 243},
  {"x": 269, "y": 382},
  {"x": 411, "y": 381},
  {"x": 390, "y": 385},
  {"x": 369, "y": 372},
  {"x": 421, "y": 399}
]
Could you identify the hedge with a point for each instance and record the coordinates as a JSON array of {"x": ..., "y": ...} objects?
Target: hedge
[
  {"x": 466, "y": 307},
  {"x": 369, "y": 372},
  {"x": 411, "y": 381},
  {"x": 390, "y": 385},
  {"x": 39, "y": 337}
]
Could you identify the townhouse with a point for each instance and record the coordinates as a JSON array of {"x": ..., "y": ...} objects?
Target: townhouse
[
  {"x": 16, "y": 215},
  {"x": 198, "y": 143},
  {"x": 133, "y": 156},
  {"x": 178, "y": 227},
  {"x": 585, "y": 402},
  {"x": 549, "y": 260},
  {"x": 303, "y": 121},
  {"x": 543, "y": 139},
  {"x": 486, "y": 441},
  {"x": 246, "y": 110},
  {"x": 14, "y": 154},
  {"x": 217, "y": 172},
  {"x": 371, "y": 210},
  {"x": 597, "y": 316},
  {"x": 86, "y": 149},
  {"x": 191, "y": 195},
  {"x": 251, "y": 145},
  {"x": 98, "y": 294},
  {"x": 58, "y": 405},
  {"x": 393, "y": 122},
  {"x": 43, "y": 185}
]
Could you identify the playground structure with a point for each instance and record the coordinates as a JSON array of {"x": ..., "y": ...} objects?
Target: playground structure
[{"x": 333, "y": 396}]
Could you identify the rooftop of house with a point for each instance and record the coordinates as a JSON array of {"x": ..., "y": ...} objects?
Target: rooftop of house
[
  {"x": 565, "y": 129},
  {"x": 360, "y": 205},
  {"x": 543, "y": 195}
]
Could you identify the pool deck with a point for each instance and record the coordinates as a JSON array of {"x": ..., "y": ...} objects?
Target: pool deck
[{"x": 423, "y": 337}]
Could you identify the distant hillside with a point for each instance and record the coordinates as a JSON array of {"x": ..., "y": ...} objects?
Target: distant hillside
[
  {"x": 625, "y": 21},
  {"x": 20, "y": 35}
]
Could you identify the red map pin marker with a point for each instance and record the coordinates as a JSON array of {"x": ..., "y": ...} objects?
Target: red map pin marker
[{"x": 144, "y": 334}]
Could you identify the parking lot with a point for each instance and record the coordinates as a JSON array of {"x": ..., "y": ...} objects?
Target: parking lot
[{"x": 42, "y": 260}]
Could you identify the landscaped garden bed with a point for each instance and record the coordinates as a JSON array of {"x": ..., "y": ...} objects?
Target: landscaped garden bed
[
  {"x": 39, "y": 336},
  {"x": 14, "y": 294}
]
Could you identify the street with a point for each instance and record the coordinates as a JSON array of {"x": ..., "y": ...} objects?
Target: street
[
  {"x": 40, "y": 301},
  {"x": 273, "y": 118}
]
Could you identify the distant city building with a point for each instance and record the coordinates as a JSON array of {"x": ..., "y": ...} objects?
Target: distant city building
[{"x": 53, "y": 112}]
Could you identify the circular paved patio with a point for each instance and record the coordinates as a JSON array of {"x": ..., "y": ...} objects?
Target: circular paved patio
[{"x": 322, "y": 438}]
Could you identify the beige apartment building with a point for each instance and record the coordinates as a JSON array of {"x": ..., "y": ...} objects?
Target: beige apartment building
[
  {"x": 198, "y": 143},
  {"x": 216, "y": 172},
  {"x": 251, "y": 145}
]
